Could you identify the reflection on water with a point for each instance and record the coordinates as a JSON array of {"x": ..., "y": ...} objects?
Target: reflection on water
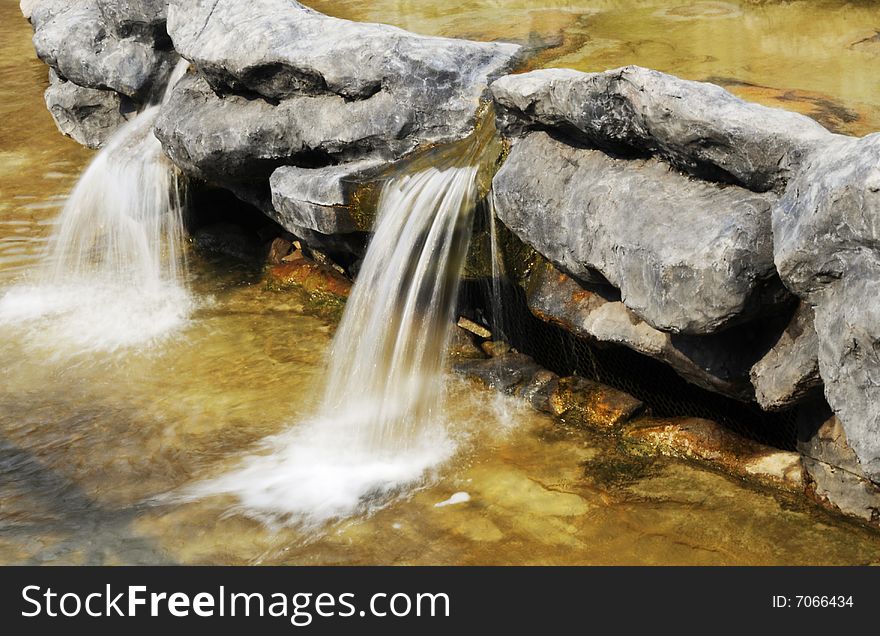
[{"x": 90, "y": 447}]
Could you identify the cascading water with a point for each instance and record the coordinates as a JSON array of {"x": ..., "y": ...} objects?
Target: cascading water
[
  {"x": 380, "y": 427},
  {"x": 113, "y": 273}
]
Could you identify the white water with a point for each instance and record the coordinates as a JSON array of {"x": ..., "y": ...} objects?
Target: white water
[
  {"x": 112, "y": 275},
  {"x": 380, "y": 428}
]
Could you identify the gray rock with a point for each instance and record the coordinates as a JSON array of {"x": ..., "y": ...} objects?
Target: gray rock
[
  {"x": 827, "y": 246},
  {"x": 85, "y": 46},
  {"x": 321, "y": 199},
  {"x": 718, "y": 363},
  {"x": 836, "y": 476},
  {"x": 790, "y": 370},
  {"x": 87, "y": 115},
  {"x": 698, "y": 127},
  {"x": 140, "y": 18},
  {"x": 239, "y": 138},
  {"x": 285, "y": 85},
  {"x": 687, "y": 256}
]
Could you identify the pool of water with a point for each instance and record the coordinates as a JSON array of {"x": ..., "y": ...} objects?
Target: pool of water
[{"x": 98, "y": 450}]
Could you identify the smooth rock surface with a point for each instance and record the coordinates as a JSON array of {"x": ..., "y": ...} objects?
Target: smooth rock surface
[
  {"x": 87, "y": 115},
  {"x": 687, "y": 256},
  {"x": 92, "y": 47},
  {"x": 790, "y": 370},
  {"x": 698, "y": 127},
  {"x": 827, "y": 248}
]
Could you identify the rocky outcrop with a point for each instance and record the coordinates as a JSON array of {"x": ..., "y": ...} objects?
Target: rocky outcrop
[
  {"x": 103, "y": 44},
  {"x": 826, "y": 231},
  {"x": 687, "y": 256},
  {"x": 718, "y": 363},
  {"x": 87, "y": 115},
  {"x": 281, "y": 85},
  {"x": 632, "y": 111}
]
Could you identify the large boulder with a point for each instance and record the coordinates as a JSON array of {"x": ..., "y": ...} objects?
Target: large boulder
[
  {"x": 87, "y": 115},
  {"x": 688, "y": 256},
  {"x": 633, "y": 111},
  {"x": 282, "y": 85},
  {"x": 827, "y": 247},
  {"x": 94, "y": 44}
]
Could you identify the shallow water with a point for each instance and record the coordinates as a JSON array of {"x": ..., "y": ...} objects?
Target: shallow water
[{"x": 96, "y": 449}]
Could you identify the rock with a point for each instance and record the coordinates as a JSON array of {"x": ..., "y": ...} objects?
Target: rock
[
  {"x": 87, "y": 115},
  {"x": 476, "y": 329},
  {"x": 697, "y": 127},
  {"x": 462, "y": 345},
  {"x": 144, "y": 19},
  {"x": 325, "y": 200},
  {"x": 93, "y": 48},
  {"x": 718, "y": 363},
  {"x": 835, "y": 474},
  {"x": 826, "y": 236},
  {"x": 323, "y": 290},
  {"x": 586, "y": 403},
  {"x": 240, "y": 138},
  {"x": 514, "y": 374},
  {"x": 230, "y": 240},
  {"x": 790, "y": 370},
  {"x": 279, "y": 250},
  {"x": 311, "y": 91},
  {"x": 687, "y": 256},
  {"x": 706, "y": 441},
  {"x": 572, "y": 400}
]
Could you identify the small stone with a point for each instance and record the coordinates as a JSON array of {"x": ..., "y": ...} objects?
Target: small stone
[
  {"x": 583, "y": 402},
  {"x": 474, "y": 328},
  {"x": 279, "y": 250}
]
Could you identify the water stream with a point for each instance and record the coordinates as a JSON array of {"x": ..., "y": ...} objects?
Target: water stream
[
  {"x": 91, "y": 444},
  {"x": 113, "y": 273}
]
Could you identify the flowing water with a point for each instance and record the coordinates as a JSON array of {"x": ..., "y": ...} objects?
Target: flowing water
[
  {"x": 381, "y": 425},
  {"x": 96, "y": 448},
  {"x": 111, "y": 273}
]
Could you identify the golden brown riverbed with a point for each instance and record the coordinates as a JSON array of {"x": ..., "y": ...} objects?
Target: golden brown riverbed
[{"x": 93, "y": 448}]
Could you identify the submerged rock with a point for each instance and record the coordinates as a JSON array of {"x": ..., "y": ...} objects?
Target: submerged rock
[
  {"x": 707, "y": 441},
  {"x": 687, "y": 256},
  {"x": 697, "y": 127},
  {"x": 94, "y": 44},
  {"x": 827, "y": 246},
  {"x": 87, "y": 115}
]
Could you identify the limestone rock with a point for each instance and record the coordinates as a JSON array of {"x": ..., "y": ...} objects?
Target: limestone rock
[
  {"x": 88, "y": 115},
  {"x": 322, "y": 199},
  {"x": 707, "y": 441},
  {"x": 687, "y": 256},
  {"x": 281, "y": 84},
  {"x": 827, "y": 231},
  {"x": 698, "y": 127},
  {"x": 836, "y": 476},
  {"x": 790, "y": 370},
  {"x": 718, "y": 363},
  {"x": 92, "y": 47}
]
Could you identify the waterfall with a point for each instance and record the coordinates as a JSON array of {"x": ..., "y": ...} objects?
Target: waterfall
[
  {"x": 380, "y": 426},
  {"x": 498, "y": 272},
  {"x": 113, "y": 274}
]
